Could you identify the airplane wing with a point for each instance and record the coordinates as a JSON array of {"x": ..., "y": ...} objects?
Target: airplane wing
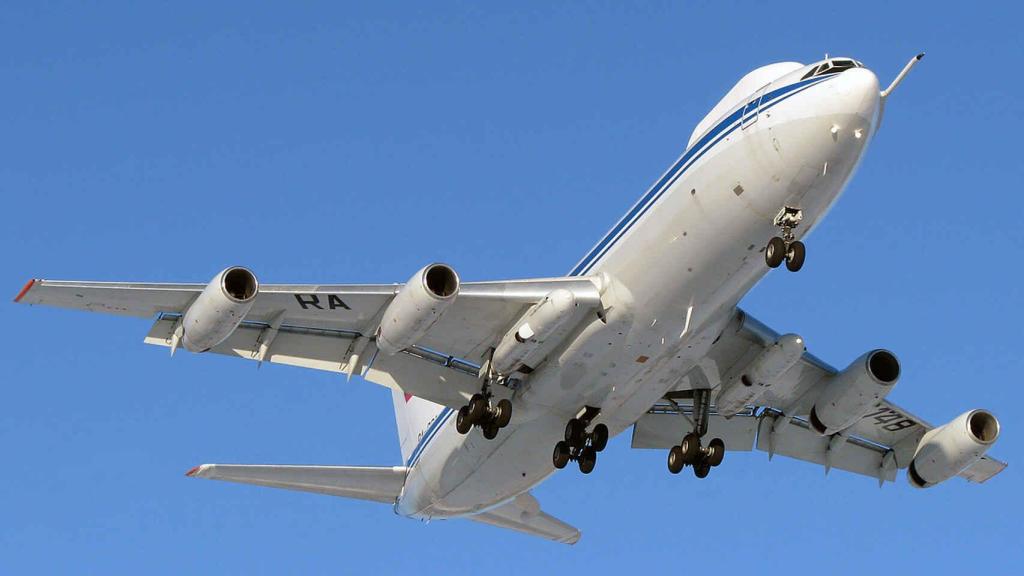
[
  {"x": 331, "y": 326},
  {"x": 879, "y": 444},
  {"x": 523, "y": 514}
]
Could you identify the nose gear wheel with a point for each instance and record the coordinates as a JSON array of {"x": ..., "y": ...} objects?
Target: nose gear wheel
[{"x": 786, "y": 248}]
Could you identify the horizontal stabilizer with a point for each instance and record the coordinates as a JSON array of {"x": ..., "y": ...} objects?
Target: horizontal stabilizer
[
  {"x": 523, "y": 514},
  {"x": 376, "y": 483}
]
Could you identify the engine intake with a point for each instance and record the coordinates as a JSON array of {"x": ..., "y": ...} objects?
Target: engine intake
[
  {"x": 852, "y": 393},
  {"x": 219, "y": 309},
  {"x": 417, "y": 306},
  {"x": 946, "y": 451}
]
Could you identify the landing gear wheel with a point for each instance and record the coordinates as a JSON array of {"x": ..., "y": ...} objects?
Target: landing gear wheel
[
  {"x": 599, "y": 437},
  {"x": 690, "y": 448},
  {"x": 490, "y": 430},
  {"x": 477, "y": 408},
  {"x": 795, "y": 256},
  {"x": 575, "y": 432},
  {"x": 675, "y": 460},
  {"x": 561, "y": 456},
  {"x": 503, "y": 412},
  {"x": 775, "y": 252},
  {"x": 716, "y": 452},
  {"x": 701, "y": 469},
  {"x": 588, "y": 459},
  {"x": 462, "y": 422}
]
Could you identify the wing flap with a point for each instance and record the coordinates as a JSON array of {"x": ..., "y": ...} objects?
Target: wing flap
[
  {"x": 523, "y": 514},
  {"x": 664, "y": 430},
  {"x": 431, "y": 376},
  {"x": 795, "y": 439},
  {"x": 302, "y": 346},
  {"x": 378, "y": 484}
]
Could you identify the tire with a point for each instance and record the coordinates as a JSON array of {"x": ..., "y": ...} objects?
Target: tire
[
  {"x": 701, "y": 469},
  {"x": 462, "y": 423},
  {"x": 716, "y": 452},
  {"x": 675, "y": 460},
  {"x": 561, "y": 455},
  {"x": 795, "y": 256},
  {"x": 490, "y": 430},
  {"x": 599, "y": 437},
  {"x": 588, "y": 460},
  {"x": 775, "y": 252},
  {"x": 574, "y": 432},
  {"x": 690, "y": 448},
  {"x": 503, "y": 412},
  {"x": 477, "y": 408}
]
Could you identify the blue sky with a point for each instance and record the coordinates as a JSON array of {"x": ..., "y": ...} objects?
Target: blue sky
[{"x": 339, "y": 142}]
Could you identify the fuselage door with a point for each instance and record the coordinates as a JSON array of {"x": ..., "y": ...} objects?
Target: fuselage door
[{"x": 752, "y": 109}]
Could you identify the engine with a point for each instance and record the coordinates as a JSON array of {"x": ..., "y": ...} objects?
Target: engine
[
  {"x": 219, "y": 308},
  {"x": 763, "y": 371},
  {"x": 417, "y": 307},
  {"x": 852, "y": 393},
  {"x": 529, "y": 341},
  {"x": 946, "y": 451}
]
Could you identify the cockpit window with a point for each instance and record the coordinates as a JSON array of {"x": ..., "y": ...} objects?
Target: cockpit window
[{"x": 833, "y": 66}]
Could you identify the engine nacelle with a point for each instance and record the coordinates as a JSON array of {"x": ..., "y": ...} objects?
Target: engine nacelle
[
  {"x": 417, "y": 307},
  {"x": 526, "y": 344},
  {"x": 218, "y": 309},
  {"x": 946, "y": 451},
  {"x": 852, "y": 393},
  {"x": 762, "y": 372}
]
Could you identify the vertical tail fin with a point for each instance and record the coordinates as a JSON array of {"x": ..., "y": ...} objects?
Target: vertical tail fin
[{"x": 413, "y": 416}]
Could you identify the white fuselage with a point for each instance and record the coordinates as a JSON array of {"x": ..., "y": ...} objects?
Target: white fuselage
[{"x": 673, "y": 271}]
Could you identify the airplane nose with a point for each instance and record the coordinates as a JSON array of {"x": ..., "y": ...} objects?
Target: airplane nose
[{"x": 857, "y": 93}]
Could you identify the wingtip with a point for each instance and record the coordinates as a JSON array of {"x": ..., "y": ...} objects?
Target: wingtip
[
  {"x": 193, "y": 472},
  {"x": 25, "y": 289},
  {"x": 921, "y": 55}
]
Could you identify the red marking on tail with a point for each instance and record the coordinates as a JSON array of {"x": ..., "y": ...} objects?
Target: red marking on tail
[
  {"x": 407, "y": 396},
  {"x": 28, "y": 286},
  {"x": 193, "y": 471}
]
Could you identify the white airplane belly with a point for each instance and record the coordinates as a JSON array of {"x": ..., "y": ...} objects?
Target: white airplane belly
[{"x": 674, "y": 280}]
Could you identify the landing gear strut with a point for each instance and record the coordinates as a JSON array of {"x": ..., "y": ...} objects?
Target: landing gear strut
[
  {"x": 787, "y": 247},
  {"x": 580, "y": 445},
  {"x": 480, "y": 411},
  {"x": 689, "y": 451}
]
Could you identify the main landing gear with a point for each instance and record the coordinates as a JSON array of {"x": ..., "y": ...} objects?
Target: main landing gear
[
  {"x": 482, "y": 412},
  {"x": 787, "y": 247},
  {"x": 580, "y": 445},
  {"x": 689, "y": 451}
]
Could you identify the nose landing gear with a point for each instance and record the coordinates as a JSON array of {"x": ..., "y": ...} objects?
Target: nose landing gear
[
  {"x": 786, "y": 248},
  {"x": 580, "y": 445},
  {"x": 689, "y": 451}
]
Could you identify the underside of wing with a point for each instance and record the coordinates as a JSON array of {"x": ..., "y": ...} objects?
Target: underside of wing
[
  {"x": 404, "y": 336},
  {"x": 768, "y": 393}
]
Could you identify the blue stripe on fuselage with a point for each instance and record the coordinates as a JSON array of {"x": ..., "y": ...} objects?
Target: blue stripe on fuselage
[{"x": 432, "y": 430}]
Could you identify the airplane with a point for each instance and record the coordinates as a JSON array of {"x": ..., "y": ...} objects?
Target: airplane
[{"x": 498, "y": 384}]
